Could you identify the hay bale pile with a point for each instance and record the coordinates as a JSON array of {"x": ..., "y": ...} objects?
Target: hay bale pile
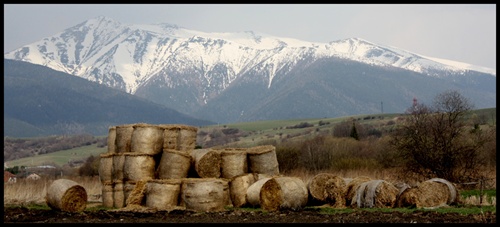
[
  {"x": 157, "y": 167},
  {"x": 436, "y": 192},
  {"x": 151, "y": 166},
  {"x": 66, "y": 195}
]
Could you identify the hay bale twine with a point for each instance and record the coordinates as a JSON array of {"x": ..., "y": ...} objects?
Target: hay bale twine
[
  {"x": 352, "y": 187},
  {"x": 376, "y": 193},
  {"x": 66, "y": 195},
  {"x": 233, "y": 162},
  {"x": 179, "y": 137},
  {"x": 107, "y": 194},
  {"x": 112, "y": 139},
  {"x": 163, "y": 194},
  {"x": 124, "y": 137},
  {"x": 105, "y": 168},
  {"x": 253, "y": 191},
  {"x": 436, "y": 192},
  {"x": 263, "y": 159},
  {"x": 174, "y": 164},
  {"x": 238, "y": 187},
  {"x": 283, "y": 193},
  {"x": 204, "y": 194},
  {"x": 328, "y": 188},
  {"x": 147, "y": 139},
  {"x": 118, "y": 194},
  {"x": 137, "y": 195},
  {"x": 118, "y": 164},
  {"x": 206, "y": 162},
  {"x": 138, "y": 167}
]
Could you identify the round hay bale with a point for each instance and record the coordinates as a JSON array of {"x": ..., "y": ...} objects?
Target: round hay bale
[
  {"x": 253, "y": 191},
  {"x": 352, "y": 187},
  {"x": 262, "y": 159},
  {"x": 179, "y": 137},
  {"x": 233, "y": 162},
  {"x": 147, "y": 139},
  {"x": 137, "y": 195},
  {"x": 105, "y": 168},
  {"x": 206, "y": 162},
  {"x": 187, "y": 137},
  {"x": 66, "y": 195},
  {"x": 328, "y": 188},
  {"x": 118, "y": 164},
  {"x": 436, "y": 192},
  {"x": 112, "y": 139},
  {"x": 376, "y": 193},
  {"x": 124, "y": 138},
  {"x": 170, "y": 137},
  {"x": 283, "y": 193},
  {"x": 408, "y": 197},
  {"x": 238, "y": 189},
  {"x": 453, "y": 191},
  {"x": 174, "y": 164},
  {"x": 138, "y": 167},
  {"x": 118, "y": 194},
  {"x": 163, "y": 194},
  {"x": 107, "y": 194},
  {"x": 204, "y": 194}
]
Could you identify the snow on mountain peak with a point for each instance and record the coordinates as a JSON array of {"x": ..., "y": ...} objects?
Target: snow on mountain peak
[{"x": 100, "y": 47}]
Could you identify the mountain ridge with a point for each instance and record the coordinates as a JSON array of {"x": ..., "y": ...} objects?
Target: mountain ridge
[{"x": 192, "y": 71}]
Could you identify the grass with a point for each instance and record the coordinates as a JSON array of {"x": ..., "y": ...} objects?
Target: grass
[{"x": 60, "y": 157}]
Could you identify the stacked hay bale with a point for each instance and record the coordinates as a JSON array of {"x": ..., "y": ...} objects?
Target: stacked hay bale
[
  {"x": 206, "y": 162},
  {"x": 139, "y": 153},
  {"x": 253, "y": 191},
  {"x": 432, "y": 193},
  {"x": 263, "y": 160},
  {"x": 163, "y": 194},
  {"x": 204, "y": 194},
  {"x": 158, "y": 166}
]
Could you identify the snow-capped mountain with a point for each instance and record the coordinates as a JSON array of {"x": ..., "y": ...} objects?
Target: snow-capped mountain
[{"x": 202, "y": 73}]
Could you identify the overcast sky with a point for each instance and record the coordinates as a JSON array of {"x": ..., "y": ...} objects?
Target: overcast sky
[{"x": 464, "y": 33}]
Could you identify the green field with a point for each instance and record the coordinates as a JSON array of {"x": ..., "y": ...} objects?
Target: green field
[
  {"x": 60, "y": 157},
  {"x": 258, "y": 132}
]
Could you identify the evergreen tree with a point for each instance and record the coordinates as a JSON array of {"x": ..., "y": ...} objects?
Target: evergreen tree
[{"x": 354, "y": 132}]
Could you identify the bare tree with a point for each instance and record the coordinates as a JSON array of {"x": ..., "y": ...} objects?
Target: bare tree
[{"x": 437, "y": 141}]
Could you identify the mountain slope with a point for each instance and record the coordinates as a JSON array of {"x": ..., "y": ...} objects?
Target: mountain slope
[
  {"x": 227, "y": 77},
  {"x": 44, "y": 102}
]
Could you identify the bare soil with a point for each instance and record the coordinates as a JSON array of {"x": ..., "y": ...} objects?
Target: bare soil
[{"x": 307, "y": 215}]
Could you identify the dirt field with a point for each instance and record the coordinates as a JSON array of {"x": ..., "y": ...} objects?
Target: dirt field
[{"x": 309, "y": 215}]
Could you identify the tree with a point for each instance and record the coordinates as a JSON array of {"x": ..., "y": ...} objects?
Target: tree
[
  {"x": 354, "y": 133},
  {"x": 437, "y": 141}
]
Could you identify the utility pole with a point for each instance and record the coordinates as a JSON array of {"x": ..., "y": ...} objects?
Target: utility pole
[{"x": 382, "y": 106}]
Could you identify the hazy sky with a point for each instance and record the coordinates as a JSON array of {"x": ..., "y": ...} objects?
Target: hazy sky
[{"x": 459, "y": 32}]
